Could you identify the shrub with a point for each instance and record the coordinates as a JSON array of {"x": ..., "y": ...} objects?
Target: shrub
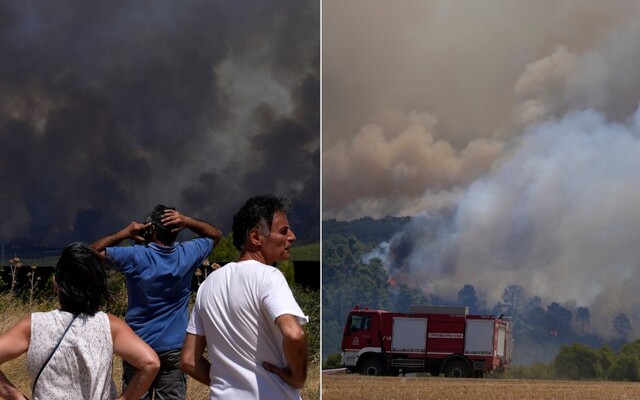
[
  {"x": 332, "y": 361},
  {"x": 577, "y": 362},
  {"x": 626, "y": 367},
  {"x": 309, "y": 301}
]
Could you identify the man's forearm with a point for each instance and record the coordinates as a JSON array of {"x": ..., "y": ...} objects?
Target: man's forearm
[
  {"x": 296, "y": 351},
  {"x": 109, "y": 241},
  {"x": 203, "y": 229},
  {"x": 199, "y": 370},
  {"x": 192, "y": 361}
]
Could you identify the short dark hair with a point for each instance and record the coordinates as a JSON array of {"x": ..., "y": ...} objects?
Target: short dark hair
[
  {"x": 163, "y": 234},
  {"x": 258, "y": 212},
  {"x": 81, "y": 279}
]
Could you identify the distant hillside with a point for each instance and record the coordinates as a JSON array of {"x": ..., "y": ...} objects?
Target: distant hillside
[
  {"x": 366, "y": 230},
  {"x": 306, "y": 252},
  {"x": 49, "y": 257},
  {"x": 34, "y": 255}
]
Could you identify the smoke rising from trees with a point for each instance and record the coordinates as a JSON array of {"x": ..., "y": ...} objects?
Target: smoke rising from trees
[{"x": 508, "y": 131}]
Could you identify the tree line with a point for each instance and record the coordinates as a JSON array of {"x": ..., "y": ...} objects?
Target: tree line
[
  {"x": 580, "y": 362},
  {"x": 540, "y": 332},
  {"x": 28, "y": 283}
]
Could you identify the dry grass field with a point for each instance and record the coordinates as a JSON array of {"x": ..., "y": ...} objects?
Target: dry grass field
[
  {"x": 16, "y": 370},
  {"x": 356, "y": 387},
  {"x": 198, "y": 391}
]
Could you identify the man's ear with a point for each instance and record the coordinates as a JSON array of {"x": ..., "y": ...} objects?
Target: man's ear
[
  {"x": 254, "y": 236},
  {"x": 154, "y": 232},
  {"x": 55, "y": 285}
]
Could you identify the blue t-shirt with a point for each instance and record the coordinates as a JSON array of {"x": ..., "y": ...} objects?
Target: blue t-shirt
[{"x": 158, "y": 286}]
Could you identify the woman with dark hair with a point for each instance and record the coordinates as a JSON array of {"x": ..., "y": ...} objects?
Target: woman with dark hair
[{"x": 70, "y": 350}]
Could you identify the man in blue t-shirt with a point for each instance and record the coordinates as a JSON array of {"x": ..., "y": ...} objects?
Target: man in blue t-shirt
[{"x": 158, "y": 272}]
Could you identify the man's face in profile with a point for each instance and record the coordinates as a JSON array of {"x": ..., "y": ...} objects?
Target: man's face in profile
[{"x": 277, "y": 244}]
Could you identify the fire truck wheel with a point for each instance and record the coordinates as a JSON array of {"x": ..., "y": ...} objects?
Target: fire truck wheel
[
  {"x": 372, "y": 366},
  {"x": 457, "y": 369}
]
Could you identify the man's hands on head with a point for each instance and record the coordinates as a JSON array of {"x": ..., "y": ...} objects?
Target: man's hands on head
[
  {"x": 131, "y": 231},
  {"x": 134, "y": 231},
  {"x": 175, "y": 221},
  {"x": 172, "y": 219}
]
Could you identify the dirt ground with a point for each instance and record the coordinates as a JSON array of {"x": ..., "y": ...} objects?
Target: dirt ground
[{"x": 356, "y": 387}]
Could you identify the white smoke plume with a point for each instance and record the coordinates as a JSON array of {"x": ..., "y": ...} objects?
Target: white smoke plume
[
  {"x": 482, "y": 72},
  {"x": 510, "y": 132},
  {"x": 403, "y": 162},
  {"x": 557, "y": 216}
]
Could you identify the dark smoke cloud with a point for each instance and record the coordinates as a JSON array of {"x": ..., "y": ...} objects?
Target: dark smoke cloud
[{"x": 107, "y": 108}]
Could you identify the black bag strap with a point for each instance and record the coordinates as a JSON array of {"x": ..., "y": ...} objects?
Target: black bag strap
[{"x": 33, "y": 387}]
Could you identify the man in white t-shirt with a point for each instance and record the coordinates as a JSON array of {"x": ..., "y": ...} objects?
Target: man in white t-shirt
[{"x": 246, "y": 316}]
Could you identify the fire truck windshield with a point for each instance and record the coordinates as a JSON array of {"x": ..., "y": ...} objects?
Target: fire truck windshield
[{"x": 359, "y": 322}]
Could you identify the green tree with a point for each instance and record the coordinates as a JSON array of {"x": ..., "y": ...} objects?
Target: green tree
[
  {"x": 467, "y": 297},
  {"x": 349, "y": 281},
  {"x": 626, "y": 367},
  {"x": 513, "y": 298},
  {"x": 622, "y": 325},
  {"x": 309, "y": 302},
  {"x": 606, "y": 358},
  {"x": 334, "y": 360},
  {"x": 331, "y": 335},
  {"x": 539, "y": 370},
  {"x": 558, "y": 318},
  {"x": 583, "y": 316},
  {"x": 286, "y": 267},
  {"x": 632, "y": 348},
  {"x": 224, "y": 251},
  {"x": 533, "y": 312},
  {"x": 366, "y": 230},
  {"x": 577, "y": 362},
  {"x": 404, "y": 298}
]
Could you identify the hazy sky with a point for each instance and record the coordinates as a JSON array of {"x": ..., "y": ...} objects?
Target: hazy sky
[
  {"x": 519, "y": 118},
  {"x": 108, "y": 108}
]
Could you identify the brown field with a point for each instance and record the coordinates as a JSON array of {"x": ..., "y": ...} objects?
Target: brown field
[
  {"x": 356, "y": 387},
  {"x": 16, "y": 370}
]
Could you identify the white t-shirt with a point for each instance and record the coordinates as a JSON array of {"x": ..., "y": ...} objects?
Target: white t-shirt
[{"x": 235, "y": 310}]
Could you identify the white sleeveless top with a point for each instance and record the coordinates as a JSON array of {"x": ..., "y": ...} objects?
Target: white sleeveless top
[{"x": 81, "y": 367}]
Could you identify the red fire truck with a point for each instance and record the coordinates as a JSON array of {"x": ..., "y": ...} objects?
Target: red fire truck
[{"x": 433, "y": 339}]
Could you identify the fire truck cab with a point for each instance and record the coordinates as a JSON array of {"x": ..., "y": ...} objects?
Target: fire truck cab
[{"x": 432, "y": 339}]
